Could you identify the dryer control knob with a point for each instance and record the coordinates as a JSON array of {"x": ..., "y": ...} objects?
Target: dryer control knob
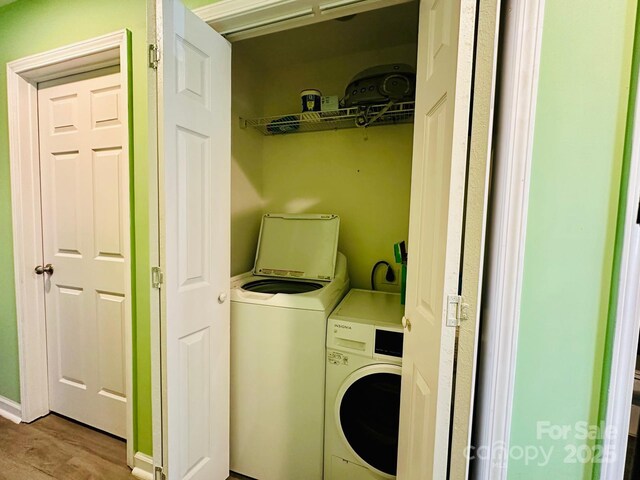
[
  {"x": 406, "y": 323},
  {"x": 222, "y": 297}
]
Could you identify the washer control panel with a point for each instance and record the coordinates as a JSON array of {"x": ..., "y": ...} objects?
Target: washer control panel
[
  {"x": 338, "y": 358},
  {"x": 363, "y": 339},
  {"x": 352, "y": 337}
]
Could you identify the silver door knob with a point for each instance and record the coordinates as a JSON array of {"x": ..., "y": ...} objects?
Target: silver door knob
[
  {"x": 48, "y": 269},
  {"x": 222, "y": 297},
  {"x": 406, "y": 323}
]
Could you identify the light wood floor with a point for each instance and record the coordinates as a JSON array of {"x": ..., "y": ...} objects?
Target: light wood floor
[{"x": 54, "y": 447}]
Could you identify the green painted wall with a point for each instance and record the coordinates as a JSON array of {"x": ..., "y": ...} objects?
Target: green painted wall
[
  {"x": 620, "y": 231},
  {"x": 575, "y": 184},
  {"x": 33, "y": 26}
]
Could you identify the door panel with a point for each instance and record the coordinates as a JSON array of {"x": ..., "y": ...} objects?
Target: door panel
[
  {"x": 195, "y": 359},
  {"x": 67, "y": 201},
  {"x": 111, "y": 318},
  {"x": 445, "y": 55},
  {"x": 85, "y": 236},
  {"x": 419, "y": 439},
  {"x": 194, "y": 122},
  {"x": 70, "y": 361},
  {"x": 194, "y": 236},
  {"x": 108, "y": 189}
]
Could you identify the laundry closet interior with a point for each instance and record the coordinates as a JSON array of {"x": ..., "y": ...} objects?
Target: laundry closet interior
[
  {"x": 354, "y": 163},
  {"x": 361, "y": 174}
]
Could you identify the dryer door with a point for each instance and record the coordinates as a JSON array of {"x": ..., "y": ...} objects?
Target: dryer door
[{"x": 367, "y": 413}]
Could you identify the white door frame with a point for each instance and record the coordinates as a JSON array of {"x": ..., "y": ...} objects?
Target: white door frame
[
  {"x": 627, "y": 326},
  {"x": 23, "y": 76},
  {"x": 521, "y": 45}
]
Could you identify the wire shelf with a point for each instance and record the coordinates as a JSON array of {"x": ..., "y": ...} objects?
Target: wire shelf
[{"x": 369, "y": 116}]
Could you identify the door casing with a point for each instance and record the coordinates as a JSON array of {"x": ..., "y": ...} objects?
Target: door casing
[{"x": 23, "y": 76}]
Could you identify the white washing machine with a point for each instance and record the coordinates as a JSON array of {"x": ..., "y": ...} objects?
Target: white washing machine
[
  {"x": 362, "y": 408},
  {"x": 278, "y": 329}
]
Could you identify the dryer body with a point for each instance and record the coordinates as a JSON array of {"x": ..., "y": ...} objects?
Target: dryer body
[{"x": 362, "y": 407}]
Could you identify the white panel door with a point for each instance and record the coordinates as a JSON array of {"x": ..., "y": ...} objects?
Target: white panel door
[
  {"x": 445, "y": 55},
  {"x": 84, "y": 172},
  {"x": 194, "y": 117}
]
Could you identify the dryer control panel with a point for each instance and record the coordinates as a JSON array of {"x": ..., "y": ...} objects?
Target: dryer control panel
[{"x": 389, "y": 342}]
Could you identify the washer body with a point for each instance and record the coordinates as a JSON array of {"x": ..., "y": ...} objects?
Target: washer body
[
  {"x": 362, "y": 407},
  {"x": 278, "y": 332}
]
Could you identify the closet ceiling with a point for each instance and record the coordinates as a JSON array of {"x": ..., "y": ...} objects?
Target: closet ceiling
[{"x": 382, "y": 28}]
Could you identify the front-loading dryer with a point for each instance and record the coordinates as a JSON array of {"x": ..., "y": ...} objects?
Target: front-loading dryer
[
  {"x": 362, "y": 407},
  {"x": 279, "y": 316}
]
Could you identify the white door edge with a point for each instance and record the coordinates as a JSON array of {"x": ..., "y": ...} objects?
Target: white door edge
[
  {"x": 514, "y": 146},
  {"x": 627, "y": 326},
  {"x": 155, "y": 297},
  {"x": 488, "y": 30},
  {"x": 22, "y": 78}
]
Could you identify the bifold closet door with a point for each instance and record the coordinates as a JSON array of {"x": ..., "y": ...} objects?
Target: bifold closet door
[
  {"x": 194, "y": 157},
  {"x": 443, "y": 92}
]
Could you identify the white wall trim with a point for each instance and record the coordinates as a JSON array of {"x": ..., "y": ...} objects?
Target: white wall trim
[
  {"x": 627, "y": 328},
  {"x": 521, "y": 46},
  {"x": 142, "y": 466},
  {"x": 242, "y": 19},
  {"x": 10, "y": 410},
  {"x": 22, "y": 78}
]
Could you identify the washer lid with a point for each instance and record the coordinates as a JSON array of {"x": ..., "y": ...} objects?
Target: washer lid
[{"x": 297, "y": 246}]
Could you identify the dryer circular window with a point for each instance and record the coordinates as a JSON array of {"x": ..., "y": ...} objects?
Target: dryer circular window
[{"x": 367, "y": 414}]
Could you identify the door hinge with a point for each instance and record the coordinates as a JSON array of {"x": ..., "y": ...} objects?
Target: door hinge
[
  {"x": 157, "y": 277},
  {"x": 154, "y": 56},
  {"x": 457, "y": 310},
  {"x": 158, "y": 473}
]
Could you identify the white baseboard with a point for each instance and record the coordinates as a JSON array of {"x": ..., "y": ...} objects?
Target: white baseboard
[
  {"x": 10, "y": 410},
  {"x": 142, "y": 466}
]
